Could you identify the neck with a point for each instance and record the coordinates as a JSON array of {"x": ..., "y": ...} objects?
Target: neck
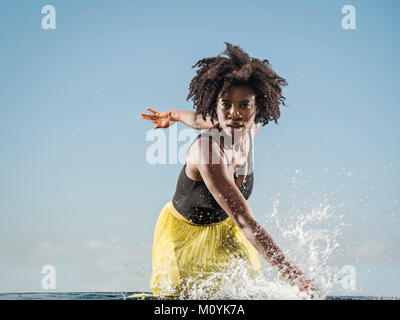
[{"x": 234, "y": 140}]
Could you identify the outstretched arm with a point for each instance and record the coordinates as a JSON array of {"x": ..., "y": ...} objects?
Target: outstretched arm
[
  {"x": 223, "y": 188},
  {"x": 192, "y": 119},
  {"x": 167, "y": 118}
]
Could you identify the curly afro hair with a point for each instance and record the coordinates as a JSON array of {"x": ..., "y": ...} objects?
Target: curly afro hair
[{"x": 218, "y": 74}]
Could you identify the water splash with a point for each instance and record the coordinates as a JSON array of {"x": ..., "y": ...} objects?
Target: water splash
[
  {"x": 308, "y": 239},
  {"x": 235, "y": 282}
]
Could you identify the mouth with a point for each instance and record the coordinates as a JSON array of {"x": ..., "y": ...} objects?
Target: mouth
[{"x": 235, "y": 126}]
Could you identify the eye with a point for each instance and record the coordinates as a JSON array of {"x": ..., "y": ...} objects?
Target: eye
[
  {"x": 244, "y": 105},
  {"x": 226, "y": 104}
]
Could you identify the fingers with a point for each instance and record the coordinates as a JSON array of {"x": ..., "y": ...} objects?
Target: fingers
[
  {"x": 151, "y": 110},
  {"x": 310, "y": 289},
  {"x": 158, "y": 114},
  {"x": 159, "y": 118},
  {"x": 147, "y": 116},
  {"x": 155, "y": 114}
]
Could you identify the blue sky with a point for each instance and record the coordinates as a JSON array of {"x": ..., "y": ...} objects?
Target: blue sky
[{"x": 76, "y": 190}]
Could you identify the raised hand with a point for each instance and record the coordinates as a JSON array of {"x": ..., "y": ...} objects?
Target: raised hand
[{"x": 160, "y": 119}]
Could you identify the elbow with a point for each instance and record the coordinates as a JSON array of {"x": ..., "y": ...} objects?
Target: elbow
[
  {"x": 241, "y": 214},
  {"x": 249, "y": 232},
  {"x": 246, "y": 224},
  {"x": 196, "y": 125}
]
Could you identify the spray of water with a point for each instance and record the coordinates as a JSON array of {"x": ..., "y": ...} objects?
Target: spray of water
[
  {"x": 235, "y": 282},
  {"x": 308, "y": 238}
]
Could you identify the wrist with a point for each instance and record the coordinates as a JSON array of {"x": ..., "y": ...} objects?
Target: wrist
[
  {"x": 175, "y": 115},
  {"x": 291, "y": 272}
]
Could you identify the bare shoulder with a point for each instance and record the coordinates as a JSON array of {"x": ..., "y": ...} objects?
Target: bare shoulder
[{"x": 204, "y": 151}]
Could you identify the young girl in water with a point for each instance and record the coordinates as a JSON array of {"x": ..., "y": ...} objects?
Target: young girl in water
[{"x": 208, "y": 226}]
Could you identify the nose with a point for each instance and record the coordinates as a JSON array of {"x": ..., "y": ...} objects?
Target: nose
[{"x": 234, "y": 113}]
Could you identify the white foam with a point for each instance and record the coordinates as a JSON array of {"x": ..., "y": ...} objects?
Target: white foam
[{"x": 306, "y": 241}]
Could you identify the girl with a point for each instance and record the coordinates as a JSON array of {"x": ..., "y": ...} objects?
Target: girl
[{"x": 208, "y": 225}]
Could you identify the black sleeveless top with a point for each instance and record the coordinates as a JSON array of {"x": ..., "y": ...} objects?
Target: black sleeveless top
[{"x": 194, "y": 201}]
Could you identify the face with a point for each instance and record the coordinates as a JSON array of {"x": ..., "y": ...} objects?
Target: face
[{"x": 236, "y": 110}]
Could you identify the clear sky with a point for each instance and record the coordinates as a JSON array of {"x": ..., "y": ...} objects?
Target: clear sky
[{"x": 76, "y": 190}]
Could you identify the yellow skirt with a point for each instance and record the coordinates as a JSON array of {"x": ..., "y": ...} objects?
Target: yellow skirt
[{"x": 185, "y": 253}]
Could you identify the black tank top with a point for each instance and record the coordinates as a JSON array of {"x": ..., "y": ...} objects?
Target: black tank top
[{"x": 194, "y": 201}]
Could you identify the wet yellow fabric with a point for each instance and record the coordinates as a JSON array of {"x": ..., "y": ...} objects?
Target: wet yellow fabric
[{"x": 185, "y": 253}]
